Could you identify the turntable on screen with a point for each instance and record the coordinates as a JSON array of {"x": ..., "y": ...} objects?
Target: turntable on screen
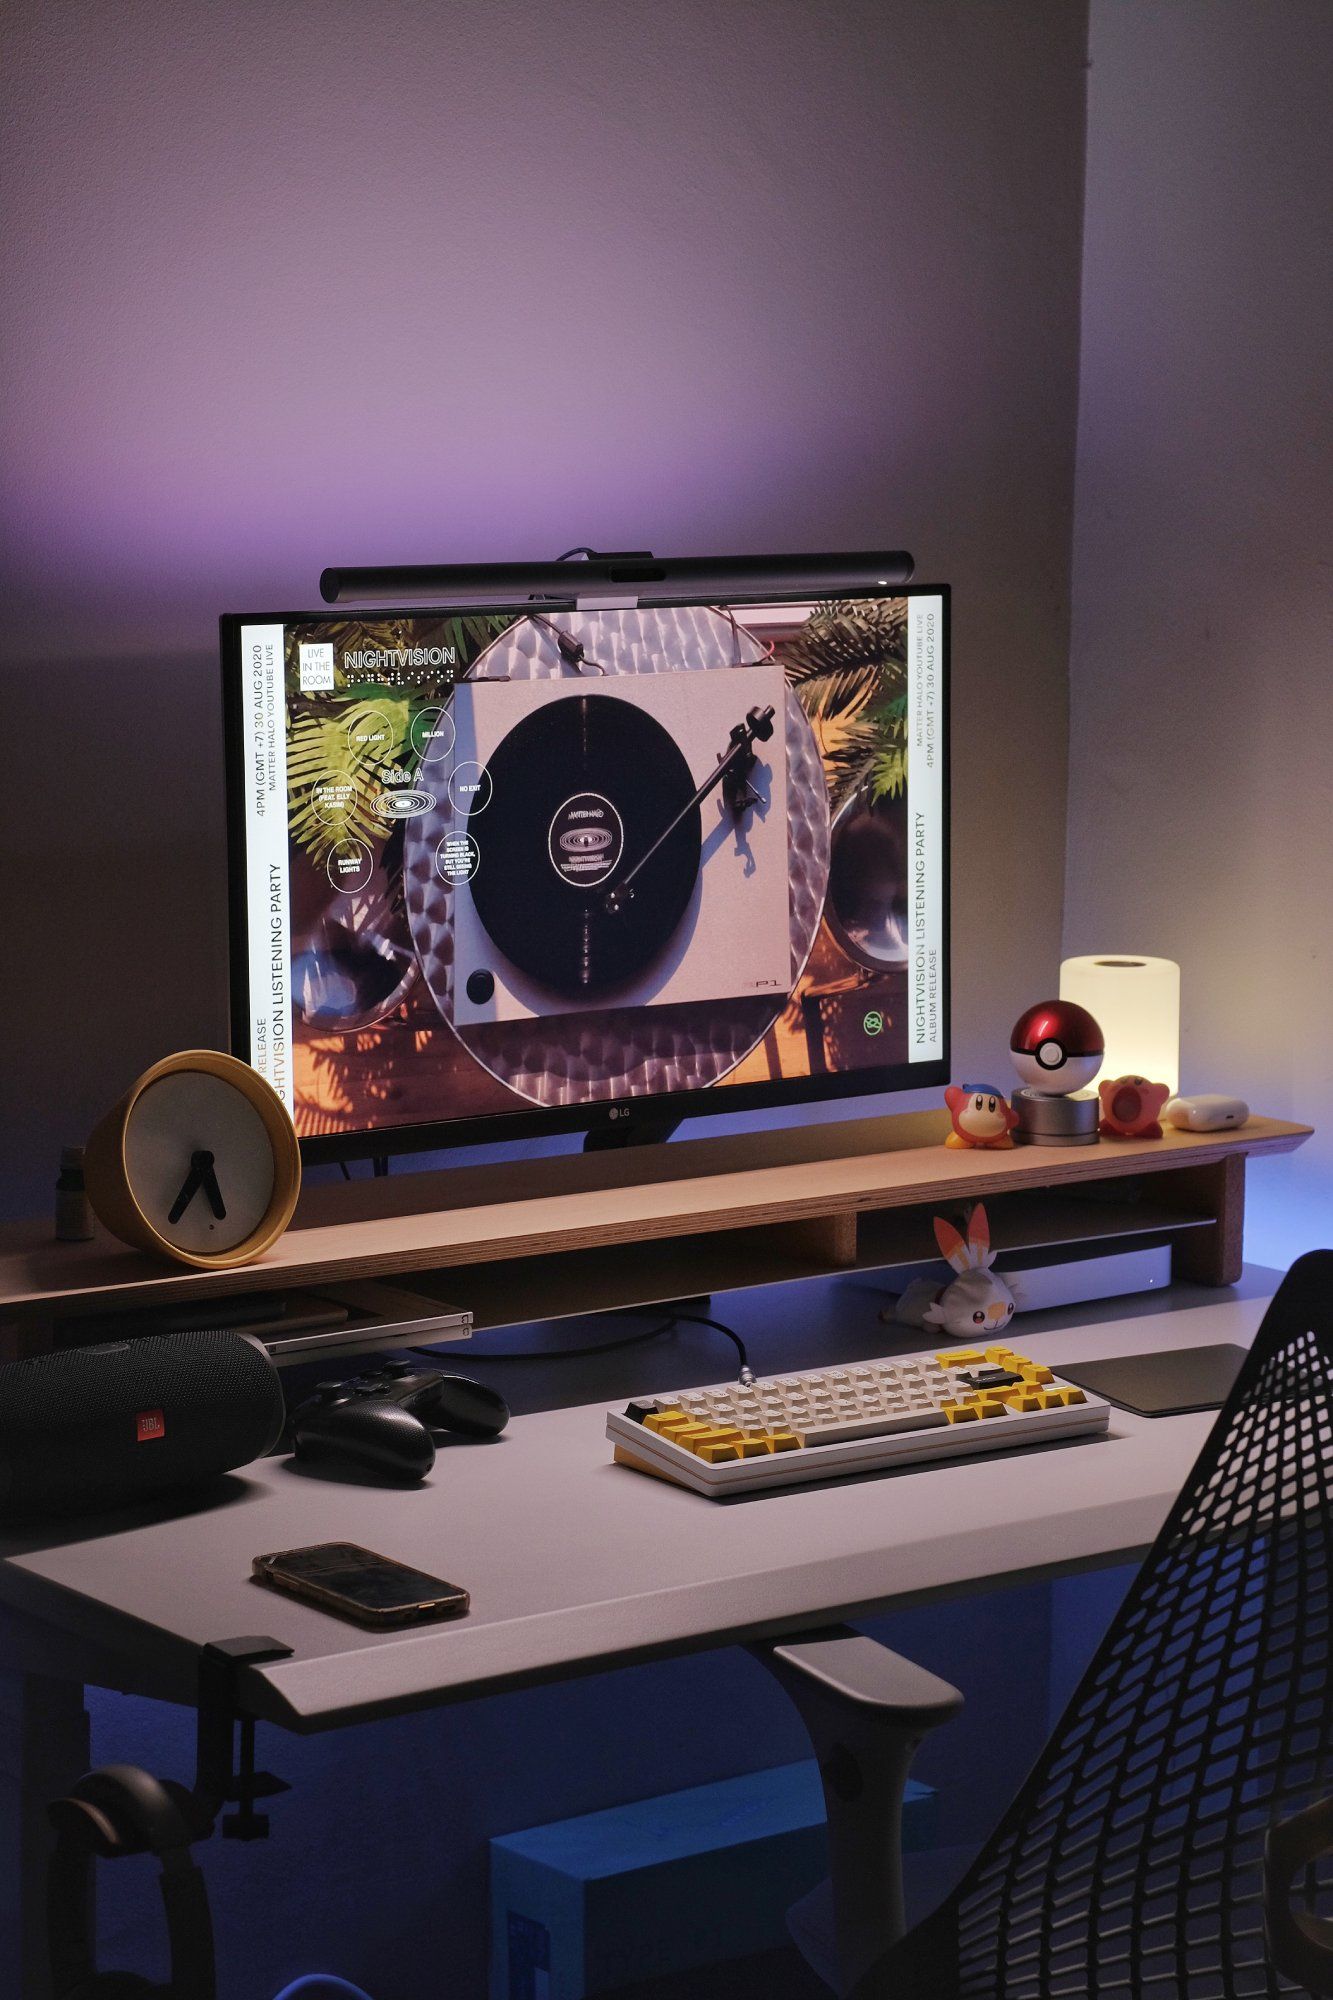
[
  {"x": 610, "y": 863},
  {"x": 622, "y": 876}
]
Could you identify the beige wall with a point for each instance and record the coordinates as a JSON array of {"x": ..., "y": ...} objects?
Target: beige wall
[
  {"x": 326, "y": 282},
  {"x": 1201, "y": 756}
]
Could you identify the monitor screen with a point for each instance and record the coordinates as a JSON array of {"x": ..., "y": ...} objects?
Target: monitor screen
[{"x": 504, "y": 870}]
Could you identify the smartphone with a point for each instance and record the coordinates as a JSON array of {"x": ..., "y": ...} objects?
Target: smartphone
[{"x": 355, "y": 1583}]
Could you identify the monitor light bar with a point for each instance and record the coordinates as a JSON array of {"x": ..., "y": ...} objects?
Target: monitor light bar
[{"x": 629, "y": 576}]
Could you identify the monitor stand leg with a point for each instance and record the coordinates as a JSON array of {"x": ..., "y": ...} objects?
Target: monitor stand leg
[{"x": 640, "y": 1129}]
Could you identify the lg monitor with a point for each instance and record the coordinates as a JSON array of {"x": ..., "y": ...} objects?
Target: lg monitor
[{"x": 561, "y": 864}]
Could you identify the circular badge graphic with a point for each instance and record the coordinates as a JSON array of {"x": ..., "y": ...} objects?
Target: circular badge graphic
[
  {"x": 586, "y": 840},
  {"x": 470, "y": 788},
  {"x": 332, "y": 798},
  {"x": 432, "y": 734},
  {"x": 457, "y": 858},
  {"x": 350, "y": 866},
  {"x": 370, "y": 734}
]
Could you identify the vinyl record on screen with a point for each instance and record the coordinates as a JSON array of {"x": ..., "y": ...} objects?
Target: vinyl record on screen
[{"x": 582, "y": 787}]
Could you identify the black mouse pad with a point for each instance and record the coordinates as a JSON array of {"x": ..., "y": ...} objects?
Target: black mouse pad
[{"x": 1161, "y": 1385}]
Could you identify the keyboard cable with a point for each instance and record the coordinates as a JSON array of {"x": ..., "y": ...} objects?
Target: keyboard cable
[{"x": 746, "y": 1376}]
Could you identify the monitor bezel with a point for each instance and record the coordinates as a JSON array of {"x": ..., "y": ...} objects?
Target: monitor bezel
[{"x": 611, "y": 1115}]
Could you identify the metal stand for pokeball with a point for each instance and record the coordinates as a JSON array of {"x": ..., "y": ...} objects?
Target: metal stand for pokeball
[{"x": 1055, "y": 1121}]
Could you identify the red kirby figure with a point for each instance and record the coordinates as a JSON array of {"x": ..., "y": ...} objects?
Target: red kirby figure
[{"x": 1131, "y": 1108}]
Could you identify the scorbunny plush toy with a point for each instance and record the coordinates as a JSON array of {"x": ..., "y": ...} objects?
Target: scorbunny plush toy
[{"x": 975, "y": 1303}]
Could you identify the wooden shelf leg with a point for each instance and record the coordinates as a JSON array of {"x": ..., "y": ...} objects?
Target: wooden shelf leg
[
  {"x": 1215, "y": 1255},
  {"x": 828, "y": 1240}
]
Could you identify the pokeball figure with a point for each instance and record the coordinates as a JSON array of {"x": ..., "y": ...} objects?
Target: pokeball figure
[
  {"x": 980, "y": 1116},
  {"x": 1132, "y": 1107},
  {"x": 1057, "y": 1048}
]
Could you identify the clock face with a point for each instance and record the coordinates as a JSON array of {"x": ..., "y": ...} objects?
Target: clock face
[{"x": 199, "y": 1161}]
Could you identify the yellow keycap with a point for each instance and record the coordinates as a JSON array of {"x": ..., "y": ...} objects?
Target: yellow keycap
[
  {"x": 1023, "y": 1400},
  {"x": 716, "y": 1454},
  {"x": 969, "y": 1358},
  {"x": 692, "y": 1436},
  {"x": 1053, "y": 1399},
  {"x": 989, "y": 1407},
  {"x": 785, "y": 1441},
  {"x": 961, "y": 1413},
  {"x": 1034, "y": 1374},
  {"x": 754, "y": 1447},
  {"x": 1075, "y": 1396},
  {"x": 665, "y": 1420},
  {"x": 999, "y": 1355}
]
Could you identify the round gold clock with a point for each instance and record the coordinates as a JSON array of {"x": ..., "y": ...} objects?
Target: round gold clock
[{"x": 198, "y": 1162}]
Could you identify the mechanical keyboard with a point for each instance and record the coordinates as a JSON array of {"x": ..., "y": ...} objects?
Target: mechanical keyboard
[{"x": 739, "y": 1437}]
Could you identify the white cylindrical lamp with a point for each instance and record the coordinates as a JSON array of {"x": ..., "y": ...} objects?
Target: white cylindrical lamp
[{"x": 1136, "y": 1002}]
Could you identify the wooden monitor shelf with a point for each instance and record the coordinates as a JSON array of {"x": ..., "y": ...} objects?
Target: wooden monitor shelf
[{"x": 585, "y": 1232}]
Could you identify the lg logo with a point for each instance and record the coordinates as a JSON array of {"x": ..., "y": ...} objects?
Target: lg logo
[{"x": 618, "y": 1111}]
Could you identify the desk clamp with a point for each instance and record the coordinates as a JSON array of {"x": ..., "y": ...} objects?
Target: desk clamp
[
  {"x": 122, "y": 1810},
  {"x": 219, "y": 1778}
]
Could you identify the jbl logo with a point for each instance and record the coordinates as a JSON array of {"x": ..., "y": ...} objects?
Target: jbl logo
[{"x": 149, "y": 1424}]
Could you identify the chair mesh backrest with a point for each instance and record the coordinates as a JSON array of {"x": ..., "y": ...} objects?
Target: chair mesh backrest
[{"x": 1130, "y": 1863}]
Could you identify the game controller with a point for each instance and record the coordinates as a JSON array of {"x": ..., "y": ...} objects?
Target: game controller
[{"x": 387, "y": 1424}]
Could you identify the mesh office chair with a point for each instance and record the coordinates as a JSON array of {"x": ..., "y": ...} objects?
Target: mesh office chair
[{"x": 1131, "y": 1866}]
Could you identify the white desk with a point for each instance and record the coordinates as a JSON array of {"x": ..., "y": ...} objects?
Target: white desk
[{"x": 576, "y": 1565}]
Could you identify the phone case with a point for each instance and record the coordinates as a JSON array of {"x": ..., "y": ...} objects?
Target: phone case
[{"x": 451, "y": 1601}]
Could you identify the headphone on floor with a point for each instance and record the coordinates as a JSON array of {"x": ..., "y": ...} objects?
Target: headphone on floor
[
  {"x": 112, "y": 1812},
  {"x": 121, "y": 1810}
]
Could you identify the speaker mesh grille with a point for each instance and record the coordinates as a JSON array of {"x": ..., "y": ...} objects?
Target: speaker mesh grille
[{"x": 80, "y": 1429}]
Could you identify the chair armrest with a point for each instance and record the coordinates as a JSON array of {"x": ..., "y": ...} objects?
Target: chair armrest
[
  {"x": 850, "y": 1669},
  {"x": 866, "y": 1709},
  {"x": 1299, "y": 1944}
]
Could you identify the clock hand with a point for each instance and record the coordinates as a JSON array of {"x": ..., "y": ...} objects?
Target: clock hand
[
  {"x": 189, "y": 1189},
  {"x": 201, "y": 1175},
  {"x": 211, "y": 1188}
]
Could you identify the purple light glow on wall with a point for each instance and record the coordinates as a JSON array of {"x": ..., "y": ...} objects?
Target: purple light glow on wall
[
  {"x": 367, "y": 283},
  {"x": 333, "y": 283}
]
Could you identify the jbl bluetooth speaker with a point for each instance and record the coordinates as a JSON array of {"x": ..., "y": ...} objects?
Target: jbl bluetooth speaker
[{"x": 96, "y": 1426}]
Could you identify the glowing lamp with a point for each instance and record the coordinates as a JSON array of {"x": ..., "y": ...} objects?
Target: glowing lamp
[{"x": 1136, "y": 1001}]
